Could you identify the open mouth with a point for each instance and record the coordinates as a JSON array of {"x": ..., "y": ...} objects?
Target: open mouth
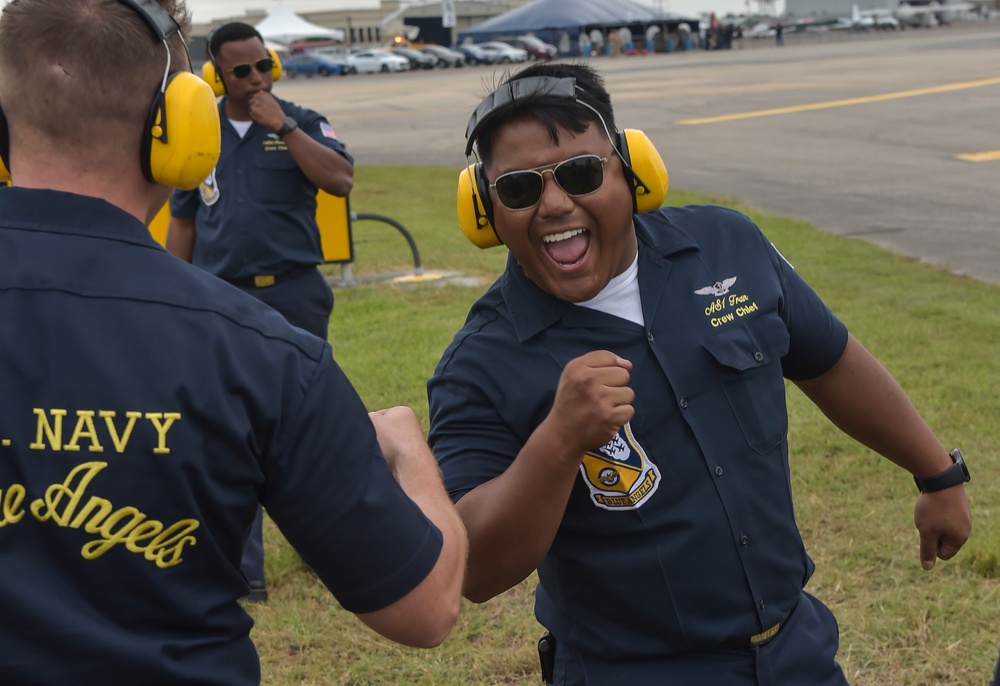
[{"x": 567, "y": 248}]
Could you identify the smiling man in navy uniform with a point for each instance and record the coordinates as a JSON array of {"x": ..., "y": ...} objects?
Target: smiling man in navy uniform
[
  {"x": 252, "y": 221},
  {"x": 613, "y": 411},
  {"x": 148, "y": 407}
]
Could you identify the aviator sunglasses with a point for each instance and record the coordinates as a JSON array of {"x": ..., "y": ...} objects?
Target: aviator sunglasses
[
  {"x": 577, "y": 176},
  {"x": 241, "y": 71}
]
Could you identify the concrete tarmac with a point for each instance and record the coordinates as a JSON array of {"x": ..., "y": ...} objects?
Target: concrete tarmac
[{"x": 890, "y": 137}]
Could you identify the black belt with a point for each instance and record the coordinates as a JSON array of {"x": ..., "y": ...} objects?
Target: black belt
[{"x": 267, "y": 280}]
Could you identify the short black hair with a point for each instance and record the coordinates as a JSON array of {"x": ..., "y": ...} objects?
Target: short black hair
[
  {"x": 551, "y": 111},
  {"x": 227, "y": 33}
]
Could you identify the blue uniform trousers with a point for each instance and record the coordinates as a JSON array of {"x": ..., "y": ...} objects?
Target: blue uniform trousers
[
  {"x": 803, "y": 652},
  {"x": 306, "y": 301}
]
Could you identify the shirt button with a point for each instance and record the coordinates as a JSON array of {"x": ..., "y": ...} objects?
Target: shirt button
[
  {"x": 762, "y": 605},
  {"x": 759, "y": 356},
  {"x": 683, "y": 403},
  {"x": 718, "y": 471},
  {"x": 649, "y": 336},
  {"x": 743, "y": 539}
]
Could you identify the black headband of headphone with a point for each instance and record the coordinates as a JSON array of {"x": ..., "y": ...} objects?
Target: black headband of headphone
[
  {"x": 509, "y": 93},
  {"x": 157, "y": 18},
  {"x": 565, "y": 87}
]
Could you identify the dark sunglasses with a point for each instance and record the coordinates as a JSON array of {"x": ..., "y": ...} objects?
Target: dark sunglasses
[
  {"x": 241, "y": 71},
  {"x": 577, "y": 176}
]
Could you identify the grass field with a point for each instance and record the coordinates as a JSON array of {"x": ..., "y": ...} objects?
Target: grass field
[{"x": 900, "y": 626}]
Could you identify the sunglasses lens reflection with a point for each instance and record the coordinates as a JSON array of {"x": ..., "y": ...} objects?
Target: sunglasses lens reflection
[
  {"x": 520, "y": 189},
  {"x": 580, "y": 176}
]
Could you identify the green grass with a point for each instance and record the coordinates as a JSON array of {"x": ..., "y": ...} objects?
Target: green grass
[{"x": 937, "y": 333}]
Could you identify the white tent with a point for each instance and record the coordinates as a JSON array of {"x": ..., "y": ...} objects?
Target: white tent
[{"x": 284, "y": 26}]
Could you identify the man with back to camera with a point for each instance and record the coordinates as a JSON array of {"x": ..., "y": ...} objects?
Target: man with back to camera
[
  {"x": 613, "y": 411},
  {"x": 252, "y": 222},
  {"x": 148, "y": 407}
]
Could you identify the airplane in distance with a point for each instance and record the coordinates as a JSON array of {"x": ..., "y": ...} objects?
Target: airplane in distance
[
  {"x": 896, "y": 15},
  {"x": 905, "y": 15}
]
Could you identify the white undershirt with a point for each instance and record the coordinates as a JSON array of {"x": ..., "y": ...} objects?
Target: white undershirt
[
  {"x": 241, "y": 126},
  {"x": 621, "y": 296}
]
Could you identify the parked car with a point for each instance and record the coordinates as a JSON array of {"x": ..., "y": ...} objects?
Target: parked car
[
  {"x": 476, "y": 55},
  {"x": 446, "y": 57},
  {"x": 309, "y": 64},
  {"x": 418, "y": 59},
  {"x": 377, "y": 60},
  {"x": 338, "y": 56},
  {"x": 505, "y": 53},
  {"x": 536, "y": 48}
]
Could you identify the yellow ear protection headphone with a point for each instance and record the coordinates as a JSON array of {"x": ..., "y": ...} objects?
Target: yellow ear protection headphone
[
  {"x": 210, "y": 71},
  {"x": 639, "y": 157},
  {"x": 182, "y": 138}
]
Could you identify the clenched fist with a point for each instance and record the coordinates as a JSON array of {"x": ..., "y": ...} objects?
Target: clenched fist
[{"x": 593, "y": 399}]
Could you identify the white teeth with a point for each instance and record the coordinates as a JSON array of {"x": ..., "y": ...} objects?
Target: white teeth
[{"x": 565, "y": 235}]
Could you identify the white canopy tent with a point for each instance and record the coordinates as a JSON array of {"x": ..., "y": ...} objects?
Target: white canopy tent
[{"x": 284, "y": 26}]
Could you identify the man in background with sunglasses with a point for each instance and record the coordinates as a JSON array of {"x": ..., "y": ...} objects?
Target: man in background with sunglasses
[
  {"x": 613, "y": 411},
  {"x": 253, "y": 220}
]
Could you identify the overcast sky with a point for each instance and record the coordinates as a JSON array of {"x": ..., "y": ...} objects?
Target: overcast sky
[{"x": 206, "y": 11}]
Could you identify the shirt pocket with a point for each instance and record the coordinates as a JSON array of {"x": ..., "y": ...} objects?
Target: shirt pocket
[
  {"x": 750, "y": 359},
  {"x": 276, "y": 176}
]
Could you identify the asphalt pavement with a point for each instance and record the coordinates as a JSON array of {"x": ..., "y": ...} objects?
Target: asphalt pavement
[{"x": 890, "y": 137}]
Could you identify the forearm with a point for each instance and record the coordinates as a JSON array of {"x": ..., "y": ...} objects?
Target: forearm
[
  {"x": 424, "y": 617},
  {"x": 420, "y": 479},
  {"x": 513, "y": 519},
  {"x": 860, "y": 396},
  {"x": 326, "y": 168}
]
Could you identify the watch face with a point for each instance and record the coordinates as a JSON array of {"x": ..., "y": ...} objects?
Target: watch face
[
  {"x": 965, "y": 468},
  {"x": 956, "y": 455},
  {"x": 287, "y": 127}
]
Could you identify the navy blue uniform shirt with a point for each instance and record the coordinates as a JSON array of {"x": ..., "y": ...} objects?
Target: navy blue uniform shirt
[
  {"x": 679, "y": 534},
  {"x": 146, "y": 408},
  {"x": 256, "y": 212}
]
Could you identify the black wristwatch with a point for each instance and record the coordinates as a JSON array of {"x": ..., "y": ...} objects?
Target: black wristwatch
[
  {"x": 956, "y": 474},
  {"x": 287, "y": 127}
]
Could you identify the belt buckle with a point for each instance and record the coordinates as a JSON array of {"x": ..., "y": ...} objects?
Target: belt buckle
[
  {"x": 263, "y": 281},
  {"x": 765, "y": 636}
]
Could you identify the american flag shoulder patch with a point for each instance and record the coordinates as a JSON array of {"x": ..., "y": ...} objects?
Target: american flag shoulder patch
[{"x": 327, "y": 130}]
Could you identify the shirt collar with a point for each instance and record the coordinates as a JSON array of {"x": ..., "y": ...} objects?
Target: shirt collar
[
  {"x": 67, "y": 213},
  {"x": 533, "y": 310}
]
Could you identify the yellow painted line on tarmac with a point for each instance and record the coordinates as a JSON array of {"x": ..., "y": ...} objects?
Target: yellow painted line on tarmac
[
  {"x": 987, "y": 156},
  {"x": 843, "y": 103}
]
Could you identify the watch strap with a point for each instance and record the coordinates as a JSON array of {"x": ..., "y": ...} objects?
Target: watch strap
[
  {"x": 287, "y": 127},
  {"x": 956, "y": 474}
]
